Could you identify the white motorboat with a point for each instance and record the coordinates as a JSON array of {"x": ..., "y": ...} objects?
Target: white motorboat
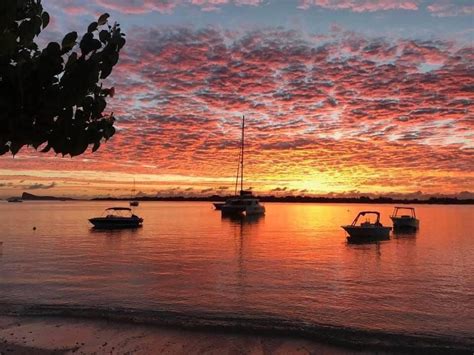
[
  {"x": 244, "y": 203},
  {"x": 404, "y": 221},
  {"x": 367, "y": 230},
  {"x": 117, "y": 217}
]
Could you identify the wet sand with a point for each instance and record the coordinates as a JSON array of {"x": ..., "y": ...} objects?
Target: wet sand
[{"x": 58, "y": 335}]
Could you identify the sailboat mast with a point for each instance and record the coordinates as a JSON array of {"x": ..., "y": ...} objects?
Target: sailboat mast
[
  {"x": 237, "y": 176},
  {"x": 242, "y": 156},
  {"x": 133, "y": 191}
]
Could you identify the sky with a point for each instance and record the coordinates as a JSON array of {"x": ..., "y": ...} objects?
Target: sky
[{"x": 341, "y": 98}]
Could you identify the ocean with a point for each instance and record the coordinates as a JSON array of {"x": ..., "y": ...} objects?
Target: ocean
[{"x": 289, "y": 272}]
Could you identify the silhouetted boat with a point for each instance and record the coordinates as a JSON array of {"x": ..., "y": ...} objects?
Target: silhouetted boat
[
  {"x": 133, "y": 203},
  {"x": 367, "y": 231},
  {"x": 404, "y": 221},
  {"x": 117, "y": 217},
  {"x": 244, "y": 203},
  {"x": 218, "y": 205},
  {"x": 14, "y": 199}
]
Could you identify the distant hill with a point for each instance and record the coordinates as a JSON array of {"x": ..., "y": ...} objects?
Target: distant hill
[{"x": 30, "y": 197}]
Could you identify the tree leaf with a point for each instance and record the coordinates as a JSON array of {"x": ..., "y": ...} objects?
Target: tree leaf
[
  {"x": 104, "y": 36},
  {"x": 69, "y": 40},
  {"x": 53, "y": 49},
  {"x": 95, "y": 147},
  {"x": 40, "y": 105},
  {"x": 103, "y": 19},
  {"x": 92, "y": 27},
  {"x": 45, "y": 18}
]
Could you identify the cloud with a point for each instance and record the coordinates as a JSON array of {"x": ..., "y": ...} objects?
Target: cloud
[
  {"x": 451, "y": 8},
  {"x": 168, "y": 6},
  {"x": 361, "y": 5},
  {"x": 345, "y": 113}
]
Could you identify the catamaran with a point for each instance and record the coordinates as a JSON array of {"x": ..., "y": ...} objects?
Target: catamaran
[{"x": 244, "y": 203}]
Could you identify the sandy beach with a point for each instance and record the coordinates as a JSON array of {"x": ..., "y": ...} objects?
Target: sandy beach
[{"x": 57, "y": 335}]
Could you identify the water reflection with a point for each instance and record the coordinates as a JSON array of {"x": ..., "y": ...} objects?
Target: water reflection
[
  {"x": 243, "y": 219},
  {"x": 294, "y": 263},
  {"x": 405, "y": 233},
  {"x": 117, "y": 232},
  {"x": 367, "y": 240},
  {"x": 244, "y": 228}
]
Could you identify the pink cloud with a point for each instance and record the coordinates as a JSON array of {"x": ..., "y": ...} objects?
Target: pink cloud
[
  {"x": 361, "y": 5},
  {"x": 448, "y": 8},
  {"x": 168, "y": 6},
  {"x": 314, "y": 109}
]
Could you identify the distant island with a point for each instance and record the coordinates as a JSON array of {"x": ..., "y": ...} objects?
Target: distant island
[
  {"x": 269, "y": 198},
  {"x": 30, "y": 197}
]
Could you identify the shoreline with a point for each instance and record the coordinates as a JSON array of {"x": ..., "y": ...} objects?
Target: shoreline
[
  {"x": 25, "y": 327},
  {"x": 63, "y": 335}
]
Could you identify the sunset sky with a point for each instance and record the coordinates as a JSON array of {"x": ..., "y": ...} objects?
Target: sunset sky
[{"x": 340, "y": 96}]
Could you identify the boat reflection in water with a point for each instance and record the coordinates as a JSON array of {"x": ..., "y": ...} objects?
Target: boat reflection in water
[
  {"x": 242, "y": 219},
  {"x": 405, "y": 233}
]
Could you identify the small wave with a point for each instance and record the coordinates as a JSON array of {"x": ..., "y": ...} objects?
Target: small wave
[{"x": 343, "y": 336}]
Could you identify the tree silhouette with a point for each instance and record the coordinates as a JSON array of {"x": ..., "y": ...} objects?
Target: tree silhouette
[{"x": 52, "y": 98}]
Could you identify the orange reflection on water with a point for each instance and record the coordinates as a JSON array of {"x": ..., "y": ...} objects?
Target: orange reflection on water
[{"x": 294, "y": 263}]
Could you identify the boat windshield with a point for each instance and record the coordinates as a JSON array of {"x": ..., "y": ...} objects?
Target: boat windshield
[
  {"x": 398, "y": 212},
  {"x": 367, "y": 218},
  {"x": 118, "y": 212}
]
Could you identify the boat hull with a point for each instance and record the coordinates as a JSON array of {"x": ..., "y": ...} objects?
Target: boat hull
[
  {"x": 233, "y": 210},
  {"x": 367, "y": 233},
  {"x": 116, "y": 223},
  {"x": 405, "y": 223},
  {"x": 218, "y": 205}
]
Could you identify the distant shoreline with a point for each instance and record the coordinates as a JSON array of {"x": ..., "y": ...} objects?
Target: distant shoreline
[
  {"x": 303, "y": 199},
  {"x": 284, "y": 199}
]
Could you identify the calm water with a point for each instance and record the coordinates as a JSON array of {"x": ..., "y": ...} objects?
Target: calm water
[{"x": 293, "y": 264}]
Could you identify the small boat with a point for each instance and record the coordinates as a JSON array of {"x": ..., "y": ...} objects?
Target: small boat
[
  {"x": 218, "y": 205},
  {"x": 117, "y": 217},
  {"x": 404, "y": 221},
  {"x": 244, "y": 203},
  {"x": 14, "y": 199},
  {"x": 133, "y": 203},
  {"x": 367, "y": 231}
]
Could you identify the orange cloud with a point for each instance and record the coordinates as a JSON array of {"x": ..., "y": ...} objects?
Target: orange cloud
[{"x": 351, "y": 112}]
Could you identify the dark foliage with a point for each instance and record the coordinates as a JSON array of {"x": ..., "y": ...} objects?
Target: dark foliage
[{"x": 52, "y": 98}]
